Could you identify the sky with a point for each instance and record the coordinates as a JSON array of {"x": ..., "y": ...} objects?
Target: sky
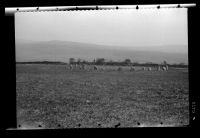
[{"x": 150, "y": 28}]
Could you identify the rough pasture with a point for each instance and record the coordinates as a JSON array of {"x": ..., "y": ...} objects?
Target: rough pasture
[{"x": 49, "y": 96}]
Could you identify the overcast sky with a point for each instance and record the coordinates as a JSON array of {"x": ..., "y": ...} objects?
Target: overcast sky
[{"x": 135, "y": 28}]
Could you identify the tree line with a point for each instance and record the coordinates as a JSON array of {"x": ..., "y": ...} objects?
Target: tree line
[
  {"x": 102, "y": 61},
  {"x": 126, "y": 62}
]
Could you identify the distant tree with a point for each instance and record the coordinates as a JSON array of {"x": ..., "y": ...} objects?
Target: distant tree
[
  {"x": 84, "y": 62},
  {"x": 71, "y": 60},
  {"x": 149, "y": 63},
  {"x": 100, "y": 61},
  {"x": 93, "y": 62},
  {"x": 152, "y": 64},
  {"x": 181, "y": 64},
  {"x": 164, "y": 62},
  {"x": 78, "y": 61},
  {"x": 136, "y": 63},
  {"x": 127, "y": 61},
  {"x": 110, "y": 62}
]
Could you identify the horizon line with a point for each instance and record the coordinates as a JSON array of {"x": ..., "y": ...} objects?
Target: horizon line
[{"x": 17, "y": 39}]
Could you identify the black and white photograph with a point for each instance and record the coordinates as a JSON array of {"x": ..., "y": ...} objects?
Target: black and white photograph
[{"x": 106, "y": 68}]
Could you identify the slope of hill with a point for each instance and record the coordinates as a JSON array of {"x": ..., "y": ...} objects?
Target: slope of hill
[{"x": 63, "y": 50}]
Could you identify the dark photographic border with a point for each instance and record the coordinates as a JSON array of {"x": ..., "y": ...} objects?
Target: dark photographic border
[{"x": 8, "y": 56}]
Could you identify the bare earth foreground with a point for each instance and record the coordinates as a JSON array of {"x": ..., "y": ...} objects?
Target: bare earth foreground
[{"x": 50, "y": 96}]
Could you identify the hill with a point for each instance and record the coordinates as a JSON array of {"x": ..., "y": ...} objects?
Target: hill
[{"x": 63, "y": 50}]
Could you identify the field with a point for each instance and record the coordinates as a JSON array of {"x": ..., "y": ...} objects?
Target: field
[{"x": 50, "y": 96}]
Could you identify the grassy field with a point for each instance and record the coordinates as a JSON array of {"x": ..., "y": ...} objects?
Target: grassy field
[{"x": 50, "y": 96}]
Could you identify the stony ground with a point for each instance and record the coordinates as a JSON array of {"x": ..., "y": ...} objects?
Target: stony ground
[{"x": 50, "y": 96}]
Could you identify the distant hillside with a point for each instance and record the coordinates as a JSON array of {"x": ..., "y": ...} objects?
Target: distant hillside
[
  {"x": 43, "y": 62},
  {"x": 63, "y": 50}
]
